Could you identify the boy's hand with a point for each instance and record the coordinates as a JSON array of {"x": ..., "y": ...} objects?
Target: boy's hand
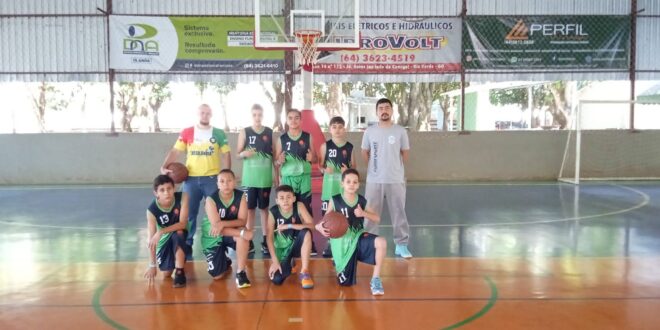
[
  {"x": 274, "y": 267},
  {"x": 283, "y": 227},
  {"x": 281, "y": 158},
  {"x": 247, "y": 153},
  {"x": 309, "y": 155},
  {"x": 343, "y": 168},
  {"x": 329, "y": 169},
  {"x": 153, "y": 242},
  {"x": 150, "y": 274},
  {"x": 359, "y": 212},
  {"x": 324, "y": 231},
  {"x": 216, "y": 229}
]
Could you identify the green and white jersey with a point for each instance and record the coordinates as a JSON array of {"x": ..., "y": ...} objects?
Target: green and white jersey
[
  {"x": 166, "y": 217},
  {"x": 295, "y": 151},
  {"x": 284, "y": 241},
  {"x": 335, "y": 157},
  {"x": 344, "y": 247},
  {"x": 227, "y": 211},
  {"x": 258, "y": 169}
]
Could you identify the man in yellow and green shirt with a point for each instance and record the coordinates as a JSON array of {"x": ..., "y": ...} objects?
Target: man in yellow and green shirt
[{"x": 207, "y": 152}]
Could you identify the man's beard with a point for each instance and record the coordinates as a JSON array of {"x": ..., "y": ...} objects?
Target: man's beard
[
  {"x": 203, "y": 123},
  {"x": 385, "y": 117}
]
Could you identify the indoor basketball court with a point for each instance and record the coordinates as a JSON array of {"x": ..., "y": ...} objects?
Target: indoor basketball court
[{"x": 542, "y": 229}]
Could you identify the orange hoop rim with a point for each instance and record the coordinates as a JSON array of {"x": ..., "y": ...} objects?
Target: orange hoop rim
[{"x": 307, "y": 36}]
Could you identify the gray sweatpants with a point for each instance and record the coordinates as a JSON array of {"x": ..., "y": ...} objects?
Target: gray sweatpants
[{"x": 395, "y": 193}]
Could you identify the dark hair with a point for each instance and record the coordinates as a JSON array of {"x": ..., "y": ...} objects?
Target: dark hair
[
  {"x": 337, "y": 120},
  {"x": 383, "y": 100},
  {"x": 349, "y": 171},
  {"x": 161, "y": 180},
  {"x": 227, "y": 171},
  {"x": 257, "y": 106},
  {"x": 294, "y": 110},
  {"x": 284, "y": 188}
]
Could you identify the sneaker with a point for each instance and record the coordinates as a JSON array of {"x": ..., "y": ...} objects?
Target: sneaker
[
  {"x": 313, "y": 253},
  {"x": 377, "y": 287},
  {"x": 264, "y": 249},
  {"x": 179, "y": 279},
  {"x": 327, "y": 252},
  {"x": 402, "y": 251},
  {"x": 242, "y": 280},
  {"x": 306, "y": 280},
  {"x": 251, "y": 249}
]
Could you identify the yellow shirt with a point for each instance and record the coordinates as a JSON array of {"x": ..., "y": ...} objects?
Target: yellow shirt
[{"x": 203, "y": 148}]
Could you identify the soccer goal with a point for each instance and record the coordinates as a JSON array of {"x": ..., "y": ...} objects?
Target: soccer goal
[{"x": 601, "y": 146}]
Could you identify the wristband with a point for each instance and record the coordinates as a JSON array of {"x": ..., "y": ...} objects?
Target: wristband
[
  {"x": 290, "y": 226},
  {"x": 152, "y": 265},
  {"x": 242, "y": 232}
]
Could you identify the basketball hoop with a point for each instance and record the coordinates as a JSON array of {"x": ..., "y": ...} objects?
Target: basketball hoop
[{"x": 307, "y": 41}]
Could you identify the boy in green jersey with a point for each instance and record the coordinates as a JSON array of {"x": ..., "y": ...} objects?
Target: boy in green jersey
[
  {"x": 336, "y": 155},
  {"x": 167, "y": 222},
  {"x": 356, "y": 245}
]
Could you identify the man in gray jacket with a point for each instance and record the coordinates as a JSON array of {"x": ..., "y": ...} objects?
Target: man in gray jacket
[{"x": 385, "y": 148}]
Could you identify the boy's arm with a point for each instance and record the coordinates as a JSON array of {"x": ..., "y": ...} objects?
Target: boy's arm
[
  {"x": 312, "y": 153},
  {"x": 214, "y": 217},
  {"x": 322, "y": 158},
  {"x": 371, "y": 215},
  {"x": 241, "y": 221},
  {"x": 270, "y": 232},
  {"x": 278, "y": 157},
  {"x": 353, "y": 162},
  {"x": 241, "y": 143},
  {"x": 276, "y": 178},
  {"x": 308, "y": 221},
  {"x": 150, "y": 273}
]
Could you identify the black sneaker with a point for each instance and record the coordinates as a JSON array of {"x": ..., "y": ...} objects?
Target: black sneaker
[
  {"x": 179, "y": 279},
  {"x": 251, "y": 249},
  {"x": 264, "y": 249},
  {"x": 327, "y": 252},
  {"x": 313, "y": 253},
  {"x": 242, "y": 280}
]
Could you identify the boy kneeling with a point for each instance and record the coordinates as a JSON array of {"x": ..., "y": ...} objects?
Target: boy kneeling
[
  {"x": 289, "y": 236},
  {"x": 225, "y": 228},
  {"x": 167, "y": 222},
  {"x": 356, "y": 245}
]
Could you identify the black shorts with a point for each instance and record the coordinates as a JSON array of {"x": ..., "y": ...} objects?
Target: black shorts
[
  {"x": 165, "y": 257},
  {"x": 217, "y": 259},
  {"x": 364, "y": 252},
  {"x": 258, "y": 197},
  {"x": 286, "y": 262}
]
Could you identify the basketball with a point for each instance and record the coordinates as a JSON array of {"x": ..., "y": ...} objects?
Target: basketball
[
  {"x": 179, "y": 172},
  {"x": 336, "y": 223}
]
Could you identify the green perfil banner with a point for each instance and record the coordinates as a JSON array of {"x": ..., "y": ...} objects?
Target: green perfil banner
[
  {"x": 546, "y": 42},
  {"x": 221, "y": 44}
]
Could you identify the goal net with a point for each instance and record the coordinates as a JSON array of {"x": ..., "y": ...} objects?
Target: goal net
[{"x": 602, "y": 146}]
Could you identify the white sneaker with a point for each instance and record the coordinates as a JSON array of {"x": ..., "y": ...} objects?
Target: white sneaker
[{"x": 402, "y": 251}]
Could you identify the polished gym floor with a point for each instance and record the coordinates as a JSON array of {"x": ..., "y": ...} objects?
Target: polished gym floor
[{"x": 487, "y": 256}]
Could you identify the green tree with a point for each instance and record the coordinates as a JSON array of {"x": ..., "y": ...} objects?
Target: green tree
[
  {"x": 47, "y": 97},
  {"x": 223, "y": 89},
  {"x": 158, "y": 93},
  {"x": 201, "y": 88},
  {"x": 127, "y": 103},
  {"x": 276, "y": 94}
]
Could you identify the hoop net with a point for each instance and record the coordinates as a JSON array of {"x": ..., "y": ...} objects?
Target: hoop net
[{"x": 307, "y": 41}]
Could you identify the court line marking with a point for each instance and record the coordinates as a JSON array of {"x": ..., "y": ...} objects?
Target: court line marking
[
  {"x": 345, "y": 300},
  {"x": 491, "y": 302},
  {"x": 645, "y": 200},
  {"x": 98, "y": 309}
]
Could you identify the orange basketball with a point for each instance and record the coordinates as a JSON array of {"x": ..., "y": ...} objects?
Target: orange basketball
[
  {"x": 179, "y": 172},
  {"x": 336, "y": 223}
]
